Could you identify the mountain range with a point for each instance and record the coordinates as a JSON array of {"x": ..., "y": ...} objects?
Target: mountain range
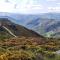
[
  {"x": 10, "y": 29},
  {"x": 46, "y": 24}
]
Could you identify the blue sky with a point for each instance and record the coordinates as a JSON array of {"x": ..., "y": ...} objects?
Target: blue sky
[{"x": 29, "y": 6}]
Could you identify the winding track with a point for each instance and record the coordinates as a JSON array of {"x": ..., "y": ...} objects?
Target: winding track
[{"x": 9, "y": 31}]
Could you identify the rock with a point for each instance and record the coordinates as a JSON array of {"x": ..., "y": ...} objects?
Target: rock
[{"x": 39, "y": 57}]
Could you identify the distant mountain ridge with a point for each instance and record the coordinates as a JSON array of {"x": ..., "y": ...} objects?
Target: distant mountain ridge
[{"x": 46, "y": 24}]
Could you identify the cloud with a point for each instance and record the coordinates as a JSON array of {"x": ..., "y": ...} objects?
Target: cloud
[
  {"x": 51, "y": 0},
  {"x": 25, "y": 6},
  {"x": 2, "y": 0},
  {"x": 58, "y": 3},
  {"x": 6, "y": 7},
  {"x": 54, "y": 9},
  {"x": 29, "y": 8}
]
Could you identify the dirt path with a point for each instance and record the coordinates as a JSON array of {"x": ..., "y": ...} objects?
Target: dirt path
[{"x": 9, "y": 31}]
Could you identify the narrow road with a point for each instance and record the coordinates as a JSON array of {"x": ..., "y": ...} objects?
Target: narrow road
[{"x": 9, "y": 31}]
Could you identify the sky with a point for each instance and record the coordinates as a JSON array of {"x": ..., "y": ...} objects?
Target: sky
[{"x": 30, "y": 6}]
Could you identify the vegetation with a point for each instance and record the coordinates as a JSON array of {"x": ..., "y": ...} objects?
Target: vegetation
[{"x": 29, "y": 48}]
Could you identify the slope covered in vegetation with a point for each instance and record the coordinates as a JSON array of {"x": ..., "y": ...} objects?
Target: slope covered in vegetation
[{"x": 29, "y": 48}]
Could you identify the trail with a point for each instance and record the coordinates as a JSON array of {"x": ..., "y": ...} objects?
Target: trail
[{"x": 9, "y": 31}]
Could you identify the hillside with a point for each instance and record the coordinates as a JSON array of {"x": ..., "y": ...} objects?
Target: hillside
[
  {"x": 20, "y": 43},
  {"x": 29, "y": 48},
  {"x": 10, "y": 29}
]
